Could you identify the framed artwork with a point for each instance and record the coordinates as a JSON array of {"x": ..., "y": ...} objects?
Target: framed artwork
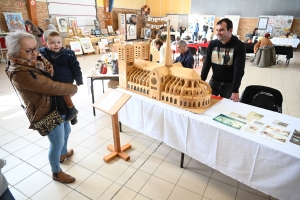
[
  {"x": 270, "y": 29},
  {"x": 71, "y": 31},
  {"x": 117, "y": 40},
  {"x": 97, "y": 24},
  {"x": 79, "y": 31},
  {"x": 131, "y": 30},
  {"x": 104, "y": 31},
  {"x": 62, "y": 24},
  {"x": 271, "y": 20},
  {"x": 147, "y": 33},
  {"x": 262, "y": 23},
  {"x": 123, "y": 30},
  {"x": 110, "y": 29},
  {"x": 122, "y": 19},
  {"x": 86, "y": 45},
  {"x": 72, "y": 22},
  {"x": 131, "y": 19},
  {"x": 14, "y": 21},
  {"x": 76, "y": 47},
  {"x": 97, "y": 32}
]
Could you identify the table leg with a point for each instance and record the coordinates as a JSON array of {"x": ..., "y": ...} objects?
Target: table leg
[
  {"x": 120, "y": 126},
  {"x": 93, "y": 98},
  {"x": 181, "y": 160},
  {"x": 103, "y": 85},
  {"x": 287, "y": 62}
]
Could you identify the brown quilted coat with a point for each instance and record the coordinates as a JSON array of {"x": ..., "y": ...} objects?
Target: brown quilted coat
[{"x": 35, "y": 89}]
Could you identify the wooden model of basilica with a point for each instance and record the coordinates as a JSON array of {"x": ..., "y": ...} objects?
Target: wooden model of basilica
[{"x": 170, "y": 83}]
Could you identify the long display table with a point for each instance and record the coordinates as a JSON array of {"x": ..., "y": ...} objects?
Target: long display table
[{"x": 252, "y": 159}]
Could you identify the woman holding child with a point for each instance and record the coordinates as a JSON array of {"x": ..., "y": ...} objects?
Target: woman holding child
[{"x": 25, "y": 70}]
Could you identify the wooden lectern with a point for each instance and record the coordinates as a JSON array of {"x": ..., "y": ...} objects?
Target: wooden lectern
[{"x": 111, "y": 102}]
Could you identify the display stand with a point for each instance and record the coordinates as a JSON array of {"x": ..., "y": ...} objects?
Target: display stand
[{"x": 111, "y": 102}]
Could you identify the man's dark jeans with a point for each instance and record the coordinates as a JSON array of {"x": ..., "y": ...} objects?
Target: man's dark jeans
[{"x": 221, "y": 88}]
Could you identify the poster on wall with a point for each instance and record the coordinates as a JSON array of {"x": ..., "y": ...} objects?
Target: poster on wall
[
  {"x": 282, "y": 24},
  {"x": 202, "y": 20},
  {"x": 14, "y": 21},
  {"x": 270, "y": 25},
  {"x": 62, "y": 24},
  {"x": 235, "y": 22},
  {"x": 262, "y": 23}
]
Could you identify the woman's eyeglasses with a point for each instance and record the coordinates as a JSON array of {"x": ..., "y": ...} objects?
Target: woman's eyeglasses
[{"x": 31, "y": 51}]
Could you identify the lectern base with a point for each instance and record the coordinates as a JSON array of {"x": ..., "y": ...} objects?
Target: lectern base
[{"x": 114, "y": 154}]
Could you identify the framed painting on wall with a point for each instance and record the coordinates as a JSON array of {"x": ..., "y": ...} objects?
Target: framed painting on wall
[
  {"x": 62, "y": 24},
  {"x": 72, "y": 22},
  {"x": 76, "y": 47},
  {"x": 86, "y": 45},
  {"x": 262, "y": 23},
  {"x": 14, "y": 21}
]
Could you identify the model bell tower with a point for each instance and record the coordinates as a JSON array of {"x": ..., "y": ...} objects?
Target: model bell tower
[
  {"x": 126, "y": 58},
  {"x": 141, "y": 51}
]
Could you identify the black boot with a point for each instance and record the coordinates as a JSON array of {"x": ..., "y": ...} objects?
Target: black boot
[
  {"x": 74, "y": 120},
  {"x": 71, "y": 113}
]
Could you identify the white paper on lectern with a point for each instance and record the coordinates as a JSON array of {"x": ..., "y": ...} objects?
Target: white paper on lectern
[{"x": 109, "y": 101}]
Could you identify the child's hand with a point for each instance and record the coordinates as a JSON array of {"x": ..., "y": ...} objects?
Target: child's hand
[{"x": 50, "y": 71}]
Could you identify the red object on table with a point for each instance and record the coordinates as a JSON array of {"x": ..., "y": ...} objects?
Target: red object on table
[
  {"x": 216, "y": 97},
  {"x": 197, "y": 45},
  {"x": 2, "y": 42}
]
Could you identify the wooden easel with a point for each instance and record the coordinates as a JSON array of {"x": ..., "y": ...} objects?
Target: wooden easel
[{"x": 105, "y": 104}]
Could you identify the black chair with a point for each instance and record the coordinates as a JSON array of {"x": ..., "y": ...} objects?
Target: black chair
[
  {"x": 263, "y": 97},
  {"x": 195, "y": 54},
  {"x": 202, "y": 51}
]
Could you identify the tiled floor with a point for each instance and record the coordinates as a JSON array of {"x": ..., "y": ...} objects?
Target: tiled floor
[{"x": 153, "y": 171}]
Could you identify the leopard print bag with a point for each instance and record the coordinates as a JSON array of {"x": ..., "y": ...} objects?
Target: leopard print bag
[{"x": 48, "y": 123}]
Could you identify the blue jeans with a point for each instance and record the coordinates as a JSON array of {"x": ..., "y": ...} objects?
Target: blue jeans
[
  {"x": 221, "y": 88},
  {"x": 195, "y": 35},
  {"x": 204, "y": 33},
  {"x": 7, "y": 195},
  {"x": 58, "y": 138}
]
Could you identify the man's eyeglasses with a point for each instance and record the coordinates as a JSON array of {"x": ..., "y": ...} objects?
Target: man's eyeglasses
[{"x": 31, "y": 51}]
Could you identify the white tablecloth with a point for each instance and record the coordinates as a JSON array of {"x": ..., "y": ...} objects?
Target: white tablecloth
[
  {"x": 286, "y": 41},
  {"x": 258, "y": 162}
]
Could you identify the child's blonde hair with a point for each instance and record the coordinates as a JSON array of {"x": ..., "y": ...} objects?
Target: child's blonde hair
[{"x": 51, "y": 33}]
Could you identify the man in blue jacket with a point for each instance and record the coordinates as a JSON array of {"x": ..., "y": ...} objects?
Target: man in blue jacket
[
  {"x": 186, "y": 58},
  {"x": 226, "y": 55},
  {"x": 195, "y": 31}
]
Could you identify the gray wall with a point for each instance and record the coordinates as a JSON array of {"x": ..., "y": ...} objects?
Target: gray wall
[{"x": 246, "y": 8}]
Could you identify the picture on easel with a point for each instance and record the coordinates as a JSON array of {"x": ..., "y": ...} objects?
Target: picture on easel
[
  {"x": 76, "y": 47},
  {"x": 86, "y": 45},
  {"x": 71, "y": 32},
  {"x": 62, "y": 24},
  {"x": 110, "y": 29},
  {"x": 147, "y": 33},
  {"x": 72, "y": 22},
  {"x": 79, "y": 31}
]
